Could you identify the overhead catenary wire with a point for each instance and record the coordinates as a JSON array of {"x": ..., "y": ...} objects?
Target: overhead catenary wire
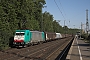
[
  {"x": 68, "y": 23},
  {"x": 64, "y": 13},
  {"x": 59, "y": 9},
  {"x": 62, "y": 8}
]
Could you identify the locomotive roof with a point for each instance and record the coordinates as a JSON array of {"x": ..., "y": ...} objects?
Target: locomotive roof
[{"x": 21, "y": 30}]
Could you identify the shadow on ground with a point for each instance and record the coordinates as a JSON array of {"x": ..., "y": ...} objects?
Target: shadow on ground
[{"x": 84, "y": 44}]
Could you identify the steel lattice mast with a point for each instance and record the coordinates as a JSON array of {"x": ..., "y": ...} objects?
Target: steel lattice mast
[{"x": 87, "y": 24}]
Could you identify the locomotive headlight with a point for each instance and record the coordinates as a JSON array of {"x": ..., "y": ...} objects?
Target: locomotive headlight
[
  {"x": 22, "y": 43},
  {"x": 14, "y": 42}
]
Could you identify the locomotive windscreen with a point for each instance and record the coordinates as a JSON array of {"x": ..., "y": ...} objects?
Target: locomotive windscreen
[{"x": 20, "y": 33}]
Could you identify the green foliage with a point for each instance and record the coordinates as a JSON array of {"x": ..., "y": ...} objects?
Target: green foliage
[
  {"x": 88, "y": 38},
  {"x": 47, "y": 22},
  {"x": 85, "y": 36},
  {"x": 73, "y": 31}
]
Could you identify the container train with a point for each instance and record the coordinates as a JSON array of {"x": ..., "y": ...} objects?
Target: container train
[{"x": 27, "y": 37}]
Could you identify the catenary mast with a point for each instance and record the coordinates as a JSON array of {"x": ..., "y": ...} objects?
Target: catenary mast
[{"x": 87, "y": 24}]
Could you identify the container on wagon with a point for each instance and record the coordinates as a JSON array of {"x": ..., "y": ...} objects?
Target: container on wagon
[
  {"x": 50, "y": 36},
  {"x": 58, "y": 35}
]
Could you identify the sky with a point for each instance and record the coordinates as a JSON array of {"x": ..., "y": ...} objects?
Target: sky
[{"x": 73, "y": 12}]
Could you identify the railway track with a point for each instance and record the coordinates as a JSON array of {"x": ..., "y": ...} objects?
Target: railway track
[{"x": 45, "y": 51}]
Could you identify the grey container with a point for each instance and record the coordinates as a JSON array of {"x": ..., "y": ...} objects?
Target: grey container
[{"x": 37, "y": 37}]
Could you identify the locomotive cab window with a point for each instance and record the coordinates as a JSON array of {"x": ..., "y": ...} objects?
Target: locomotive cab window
[{"x": 20, "y": 33}]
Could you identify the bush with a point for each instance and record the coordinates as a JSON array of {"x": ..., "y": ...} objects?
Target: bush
[
  {"x": 88, "y": 38},
  {"x": 4, "y": 39},
  {"x": 11, "y": 39},
  {"x": 85, "y": 36}
]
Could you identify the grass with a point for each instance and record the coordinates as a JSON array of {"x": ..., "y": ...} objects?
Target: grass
[{"x": 4, "y": 48}]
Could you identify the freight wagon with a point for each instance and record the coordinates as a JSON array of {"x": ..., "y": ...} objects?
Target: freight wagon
[
  {"x": 58, "y": 35},
  {"x": 49, "y": 36},
  {"x": 37, "y": 37}
]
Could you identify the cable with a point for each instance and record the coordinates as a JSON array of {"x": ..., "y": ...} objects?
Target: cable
[
  {"x": 59, "y": 9},
  {"x": 62, "y": 8},
  {"x": 64, "y": 12}
]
